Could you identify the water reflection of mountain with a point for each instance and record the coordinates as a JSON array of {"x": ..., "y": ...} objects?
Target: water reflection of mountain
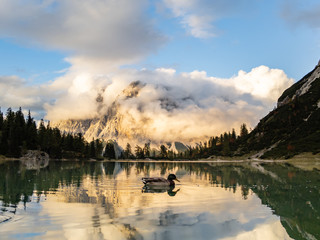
[{"x": 292, "y": 194}]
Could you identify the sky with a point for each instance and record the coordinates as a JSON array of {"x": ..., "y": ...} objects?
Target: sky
[{"x": 232, "y": 58}]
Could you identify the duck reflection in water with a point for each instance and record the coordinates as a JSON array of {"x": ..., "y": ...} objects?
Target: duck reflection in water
[
  {"x": 157, "y": 189},
  {"x": 160, "y": 185}
]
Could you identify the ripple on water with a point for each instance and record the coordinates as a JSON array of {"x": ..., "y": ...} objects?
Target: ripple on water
[{"x": 210, "y": 202}]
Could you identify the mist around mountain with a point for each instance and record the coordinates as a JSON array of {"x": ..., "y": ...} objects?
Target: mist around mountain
[{"x": 291, "y": 128}]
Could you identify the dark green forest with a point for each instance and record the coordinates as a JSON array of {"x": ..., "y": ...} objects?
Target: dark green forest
[
  {"x": 19, "y": 134},
  {"x": 226, "y": 144}
]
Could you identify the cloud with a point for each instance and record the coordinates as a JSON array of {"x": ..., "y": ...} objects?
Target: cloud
[
  {"x": 15, "y": 92},
  {"x": 115, "y": 31},
  {"x": 214, "y": 212},
  {"x": 261, "y": 82},
  {"x": 159, "y": 105},
  {"x": 199, "y": 16},
  {"x": 298, "y": 13},
  {"x": 162, "y": 105}
]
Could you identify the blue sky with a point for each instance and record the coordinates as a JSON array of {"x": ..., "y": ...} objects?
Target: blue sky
[
  {"x": 33, "y": 63},
  {"x": 254, "y": 33},
  {"x": 233, "y": 58}
]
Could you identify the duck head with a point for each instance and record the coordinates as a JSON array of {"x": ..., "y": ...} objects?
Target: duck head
[{"x": 172, "y": 177}]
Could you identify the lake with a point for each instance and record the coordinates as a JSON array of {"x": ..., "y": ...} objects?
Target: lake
[{"x": 106, "y": 200}]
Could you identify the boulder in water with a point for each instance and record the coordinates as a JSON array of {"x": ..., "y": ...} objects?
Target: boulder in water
[{"x": 35, "y": 159}]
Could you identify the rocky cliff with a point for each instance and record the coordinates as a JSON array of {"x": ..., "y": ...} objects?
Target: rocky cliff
[{"x": 294, "y": 126}]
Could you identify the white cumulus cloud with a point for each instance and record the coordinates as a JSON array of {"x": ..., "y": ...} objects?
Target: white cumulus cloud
[
  {"x": 15, "y": 92},
  {"x": 115, "y": 31},
  {"x": 171, "y": 106},
  {"x": 99, "y": 36}
]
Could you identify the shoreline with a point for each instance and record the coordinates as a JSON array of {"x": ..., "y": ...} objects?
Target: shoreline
[{"x": 303, "y": 157}]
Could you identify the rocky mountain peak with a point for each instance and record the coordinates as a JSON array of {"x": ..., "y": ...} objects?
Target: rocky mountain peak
[
  {"x": 114, "y": 122},
  {"x": 300, "y": 88},
  {"x": 133, "y": 89},
  {"x": 293, "y": 127}
]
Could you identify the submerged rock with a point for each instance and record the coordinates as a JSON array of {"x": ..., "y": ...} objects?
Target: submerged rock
[{"x": 35, "y": 159}]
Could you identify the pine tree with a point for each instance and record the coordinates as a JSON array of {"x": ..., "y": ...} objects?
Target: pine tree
[
  {"x": 128, "y": 152},
  {"x": 1, "y": 120},
  {"x": 55, "y": 148},
  {"x": 163, "y": 151},
  {"x": 18, "y": 133},
  {"x": 233, "y": 134},
  {"x": 243, "y": 130},
  {"x": 79, "y": 143},
  {"x": 99, "y": 148},
  {"x": 226, "y": 148},
  {"x": 92, "y": 149},
  {"x": 68, "y": 144},
  {"x": 139, "y": 152},
  {"x": 146, "y": 150},
  {"x": 232, "y": 140},
  {"x": 42, "y": 139},
  {"x": 9, "y": 132},
  {"x": 109, "y": 151},
  {"x": 87, "y": 150},
  {"x": 1, "y": 132},
  {"x": 31, "y": 133}
]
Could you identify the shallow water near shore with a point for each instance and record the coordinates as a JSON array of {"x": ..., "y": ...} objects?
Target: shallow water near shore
[{"x": 106, "y": 200}]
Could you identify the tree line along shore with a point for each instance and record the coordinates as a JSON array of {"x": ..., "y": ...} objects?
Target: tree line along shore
[{"x": 19, "y": 134}]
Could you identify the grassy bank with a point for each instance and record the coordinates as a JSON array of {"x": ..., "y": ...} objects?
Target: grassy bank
[{"x": 306, "y": 161}]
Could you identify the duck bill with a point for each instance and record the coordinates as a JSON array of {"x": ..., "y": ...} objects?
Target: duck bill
[{"x": 177, "y": 179}]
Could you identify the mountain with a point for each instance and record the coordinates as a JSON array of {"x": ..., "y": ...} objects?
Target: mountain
[
  {"x": 294, "y": 126},
  {"x": 117, "y": 125},
  {"x": 109, "y": 125},
  {"x": 176, "y": 147},
  {"x": 291, "y": 128}
]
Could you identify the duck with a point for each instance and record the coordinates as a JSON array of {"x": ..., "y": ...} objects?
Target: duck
[{"x": 160, "y": 181}]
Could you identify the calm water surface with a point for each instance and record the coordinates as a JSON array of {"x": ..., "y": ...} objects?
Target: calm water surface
[{"x": 94, "y": 200}]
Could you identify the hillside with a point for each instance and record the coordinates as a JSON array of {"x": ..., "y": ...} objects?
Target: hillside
[{"x": 294, "y": 126}]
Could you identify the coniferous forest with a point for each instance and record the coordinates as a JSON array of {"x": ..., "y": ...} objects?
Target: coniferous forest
[
  {"x": 19, "y": 134},
  {"x": 228, "y": 144}
]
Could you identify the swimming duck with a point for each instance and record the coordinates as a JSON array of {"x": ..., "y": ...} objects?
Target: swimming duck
[{"x": 159, "y": 181}]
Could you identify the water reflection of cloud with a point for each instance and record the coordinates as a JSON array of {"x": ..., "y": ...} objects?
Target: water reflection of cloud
[
  {"x": 207, "y": 225},
  {"x": 199, "y": 211},
  {"x": 107, "y": 207}
]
